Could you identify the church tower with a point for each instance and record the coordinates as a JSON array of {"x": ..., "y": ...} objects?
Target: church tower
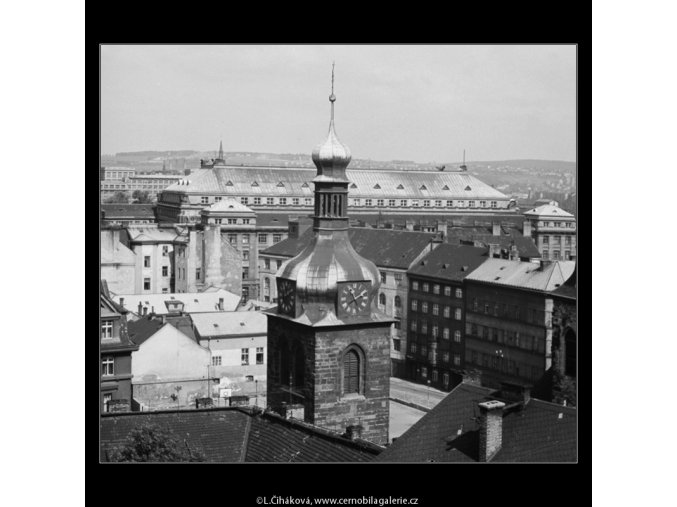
[{"x": 328, "y": 344}]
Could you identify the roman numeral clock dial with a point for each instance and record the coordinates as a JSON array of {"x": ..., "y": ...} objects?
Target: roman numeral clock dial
[
  {"x": 354, "y": 298},
  {"x": 286, "y": 297}
]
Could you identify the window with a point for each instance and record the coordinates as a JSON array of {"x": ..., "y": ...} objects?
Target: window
[
  {"x": 165, "y": 290},
  {"x": 245, "y": 221},
  {"x": 146, "y": 284},
  {"x": 457, "y": 314},
  {"x": 445, "y": 333},
  {"x": 278, "y": 263},
  {"x": 471, "y": 204},
  {"x": 414, "y": 202},
  {"x": 308, "y": 201},
  {"x": 459, "y": 293},
  {"x": 283, "y": 200},
  {"x": 165, "y": 270},
  {"x": 245, "y": 255},
  {"x": 460, "y": 204},
  {"x": 217, "y": 221},
  {"x": 486, "y": 308},
  {"x": 232, "y": 239},
  {"x": 555, "y": 254},
  {"x": 216, "y": 360},
  {"x": 424, "y": 350},
  {"x": 259, "y": 355},
  {"x": 204, "y": 199},
  {"x": 438, "y": 204},
  {"x": 412, "y": 347},
  {"x": 398, "y": 277},
  {"x": 397, "y": 344},
  {"x": 146, "y": 261},
  {"x": 107, "y": 329},
  {"x": 546, "y": 254},
  {"x": 450, "y": 204},
  {"x": 382, "y": 299},
  {"x": 257, "y": 200},
  {"x": 356, "y": 202},
  {"x": 435, "y": 376},
  {"x": 457, "y": 360},
  {"x": 367, "y": 202},
  {"x": 436, "y": 289},
  {"x": 380, "y": 202},
  {"x": 270, "y": 200},
  {"x": 165, "y": 250},
  {"x": 447, "y": 290},
  {"x": 266, "y": 264},
  {"x": 567, "y": 255},
  {"x": 403, "y": 202},
  {"x": 244, "y": 357},
  {"x": 424, "y": 327},
  {"x": 445, "y": 378},
  {"x": 197, "y": 273},
  {"x": 426, "y": 203},
  {"x": 245, "y": 273},
  {"x": 263, "y": 238},
  {"x": 244, "y": 200},
  {"x": 351, "y": 372},
  {"x": 398, "y": 324},
  {"x": 475, "y": 304},
  {"x": 567, "y": 240},
  {"x": 546, "y": 240},
  {"x": 391, "y": 202},
  {"x": 107, "y": 398},
  {"x": 424, "y": 307},
  {"x": 436, "y": 309},
  {"x": 445, "y": 357},
  {"x": 383, "y": 276},
  {"x": 277, "y": 238},
  {"x": 295, "y": 201},
  {"x": 425, "y": 287},
  {"x": 435, "y": 332},
  {"x": 245, "y": 238},
  {"x": 447, "y": 311},
  {"x": 414, "y": 304},
  {"x": 457, "y": 336},
  {"x": 414, "y": 285},
  {"x": 414, "y": 325},
  {"x": 424, "y": 372},
  {"x": 107, "y": 366},
  {"x": 232, "y": 221},
  {"x": 483, "y": 204},
  {"x": 494, "y": 204}
]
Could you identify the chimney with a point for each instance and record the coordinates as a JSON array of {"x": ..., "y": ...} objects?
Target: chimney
[
  {"x": 164, "y": 319},
  {"x": 526, "y": 229},
  {"x": 140, "y": 309},
  {"x": 145, "y": 311},
  {"x": 494, "y": 250},
  {"x": 122, "y": 301},
  {"x": 354, "y": 431},
  {"x": 491, "y": 429},
  {"x": 496, "y": 228},
  {"x": 543, "y": 264},
  {"x": 293, "y": 227},
  {"x": 221, "y": 304},
  {"x": 442, "y": 227},
  {"x": 514, "y": 253},
  {"x": 409, "y": 225}
]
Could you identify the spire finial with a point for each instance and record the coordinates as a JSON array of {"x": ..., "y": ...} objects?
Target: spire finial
[
  {"x": 221, "y": 149},
  {"x": 332, "y": 97}
]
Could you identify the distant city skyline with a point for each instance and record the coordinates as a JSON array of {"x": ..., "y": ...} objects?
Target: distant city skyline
[{"x": 425, "y": 103}]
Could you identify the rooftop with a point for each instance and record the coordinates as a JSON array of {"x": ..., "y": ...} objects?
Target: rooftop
[
  {"x": 152, "y": 233},
  {"x": 548, "y": 210},
  {"x": 192, "y": 301},
  {"x": 539, "y": 432},
  {"x": 526, "y": 275},
  {"x": 448, "y": 261},
  {"x": 227, "y": 206},
  {"x": 128, "y": 211},
  {"x": 230, "y": 323},
  {"x": 237, "y": 434},
  {"x": 142, "y": 329},
  {"x": 238, "y": 180},
  {"x": 386, "y": 248}
]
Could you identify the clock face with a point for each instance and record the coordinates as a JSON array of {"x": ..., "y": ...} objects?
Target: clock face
[
  {"x": 286, "y": 296},
  {"x": 354, "y": 298}
]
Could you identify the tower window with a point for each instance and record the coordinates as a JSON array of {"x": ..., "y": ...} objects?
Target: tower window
[{"x": 351, "y": 372}]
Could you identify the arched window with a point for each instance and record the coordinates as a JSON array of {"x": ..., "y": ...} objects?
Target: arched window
[
  {"x": 351, "y": 372},
  {"x": 398, "y": 302},
  {"x": 382, "y": 299}
]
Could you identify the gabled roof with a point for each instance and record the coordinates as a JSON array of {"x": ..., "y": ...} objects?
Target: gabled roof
[
  {"x": 230, "y": 323},
  {"x": 526, "y": 275},
  {"x": 128, "y": 211},
  {"x": 227, "y": 205},
  {"x": 381, "y": 183},
  {"x": 231, "y": 435},
  {"x": 192, "y": 301},
  {"x": 450, "y": 262},
  {"x": 539, "y": 432},
  {"x": 142, "y": 329},
  {"x": 525, "y": 246},
  {"x": 387, "y": 248},
  {"x": 151, "y": 233},
  {"x": 548, "y": 210}
]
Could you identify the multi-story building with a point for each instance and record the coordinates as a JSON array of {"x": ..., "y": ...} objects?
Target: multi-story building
[
  {"x": 509, "y": 324},
  {"x": 117, "y": 173},
  {"x": 553, "y": 230},
  {"x": 153, "y": 247},
  {"x": 118, "y": 262},
  {"x": 289, "y": 190},
  {"x": 393, "y": 252},
  {"x": 127, "y": 214},
  {"x": 116, "y": 355},
  {"x": 126, "y": 180},
  {"x": 436, "y": 331}
]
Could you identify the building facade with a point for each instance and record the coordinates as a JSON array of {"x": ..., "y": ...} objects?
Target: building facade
[
  {"x": 553, "y": 230},
  {"x": 436, "y": 331},
  {"x": 509, "y": 323}
]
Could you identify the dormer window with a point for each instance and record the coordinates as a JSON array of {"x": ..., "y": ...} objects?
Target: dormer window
[
  {"x": 423, "y": 187},
  {"x": 445, "y": 187},
  {"x": 229, "y": 183},
  {"x": 305, "y": 185},
  {"x": 468, "y": 188},
  {"x": 352, "y": 185},
  {"x": 280, "y": 184},
  {"x": 107, "y": 329},
  {"x": 400, "y": 187},
  {"x": 377, "y": 186},
  {"x": 255, "y": 184}
]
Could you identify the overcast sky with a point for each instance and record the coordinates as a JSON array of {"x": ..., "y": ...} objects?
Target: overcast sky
[{"x": 420, "y": 102}]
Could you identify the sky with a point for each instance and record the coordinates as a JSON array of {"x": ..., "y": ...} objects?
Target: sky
[{"x": 425, "y": 103}]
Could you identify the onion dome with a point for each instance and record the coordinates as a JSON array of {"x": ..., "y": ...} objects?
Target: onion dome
[{"x": 331, "y": 157}]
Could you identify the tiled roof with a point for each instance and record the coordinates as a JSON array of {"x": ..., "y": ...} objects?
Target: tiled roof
[
  {"x": 272, "y": 220},
  {"x": 539, "y": 432},
  {"x": 138, "y": 233},
  {"x": 447, "y": 262},
  {"x": 192, "y": 301},
  {"x": 548, "y": 210},
  {"x": 142, "y": 329},
  {"x": 568, "y": 288},
  {"x": 230, "y": 323},
  {"x": 237, "y": 435},
  {"x": 526, "y": 275},
  {"x": 525, "y": 246},
  {"x": 239, "y": 181},
  {"x": 227, "y": 205},
  {"x": 128, "y": 211},
  {"x": 466, "y": 219},
  {"x": 387, "y": 248}
]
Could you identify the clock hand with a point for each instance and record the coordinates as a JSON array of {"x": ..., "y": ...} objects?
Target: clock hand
[{"x": 361, "y": 294}]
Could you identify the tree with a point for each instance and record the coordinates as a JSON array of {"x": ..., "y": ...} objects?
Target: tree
[
  {"x": 118, "y": 197},
  {"x": 141, "y": 197},
  {"x": 152, "y": 443}
]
